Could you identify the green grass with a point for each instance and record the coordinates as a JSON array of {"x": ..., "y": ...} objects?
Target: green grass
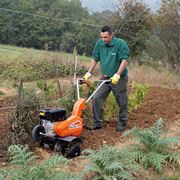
[
  {"x": 8, "y": 52},
  {"x": 12, "y": 52}
]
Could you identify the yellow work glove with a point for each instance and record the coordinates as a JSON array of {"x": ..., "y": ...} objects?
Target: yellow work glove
[
  {"x": 115, "y": 79},
  {"x": 87, "y": 75}
]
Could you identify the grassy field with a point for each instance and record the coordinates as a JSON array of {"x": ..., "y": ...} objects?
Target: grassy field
[
  {"x": 158, "y": 77},
  {"x": 29, "y": 64},
  {"x": 14, "y": 52}
]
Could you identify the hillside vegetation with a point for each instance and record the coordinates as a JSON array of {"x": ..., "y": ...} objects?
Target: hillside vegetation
[{"x": 31, "y": 65}]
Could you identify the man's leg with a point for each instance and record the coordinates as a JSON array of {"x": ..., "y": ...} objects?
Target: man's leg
[
  {"x": 120, "y": 93},
  {"x": 98, "y": 102}
]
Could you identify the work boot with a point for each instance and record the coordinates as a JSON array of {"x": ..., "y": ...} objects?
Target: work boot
[
  {"x": 121, "y": 127},
  {"x": 94, "y": 127}
]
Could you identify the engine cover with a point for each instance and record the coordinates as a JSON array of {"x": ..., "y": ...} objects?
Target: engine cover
[{"x": 52, "y": 114}]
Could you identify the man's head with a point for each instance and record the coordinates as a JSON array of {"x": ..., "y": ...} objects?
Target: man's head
[{"x": 106, "y": 34}]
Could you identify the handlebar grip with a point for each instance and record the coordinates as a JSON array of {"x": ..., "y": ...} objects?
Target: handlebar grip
[
  {"x": 83, "y": 81},
  {"x": 107, "y": 81}
]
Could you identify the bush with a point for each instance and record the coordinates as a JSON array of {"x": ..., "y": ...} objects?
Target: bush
[
  {"x": 111, "y": 108},
  {"x": 135, "y": 99},
  {"x": 35, "y": 70},
  {"x": 48, "y": 90},
  {"x": 24, "y": 118}
]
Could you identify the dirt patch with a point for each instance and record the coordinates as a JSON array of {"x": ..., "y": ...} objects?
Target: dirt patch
[
  {"x": 8, "y": 91},
  {"x": 160, "y": 102}
]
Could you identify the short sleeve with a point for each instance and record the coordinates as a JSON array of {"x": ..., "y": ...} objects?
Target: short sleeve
[{"x": 123, "y": 51}]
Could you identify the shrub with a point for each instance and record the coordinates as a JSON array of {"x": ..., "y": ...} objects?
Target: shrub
[
  {"x": 48, "y": 90},
  {"x": 67, "y": 103},
  {"x": 135, "y": 99},
  {"x": 24, "y": 118},
  {"x": 111, "y": 108},
  {"x": 33, "y": 69}
]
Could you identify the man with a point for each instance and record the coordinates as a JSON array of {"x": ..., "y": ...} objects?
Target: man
[{"x": 112, "y": 54}]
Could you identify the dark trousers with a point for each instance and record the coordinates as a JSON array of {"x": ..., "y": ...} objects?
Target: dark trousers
[{"x": 120, "y": 93}]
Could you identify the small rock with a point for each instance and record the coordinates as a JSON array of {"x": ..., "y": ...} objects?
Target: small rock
[{"x": 104, "y": 142}]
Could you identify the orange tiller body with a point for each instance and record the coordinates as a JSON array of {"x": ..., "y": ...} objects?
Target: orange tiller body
[{"x": 72, "y": 126}]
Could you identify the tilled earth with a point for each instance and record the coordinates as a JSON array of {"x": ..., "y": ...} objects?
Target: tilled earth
[{"x": 159, "y": 103}]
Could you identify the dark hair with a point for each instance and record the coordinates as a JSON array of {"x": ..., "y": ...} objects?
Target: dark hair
[{"x": 107, "y": 29}]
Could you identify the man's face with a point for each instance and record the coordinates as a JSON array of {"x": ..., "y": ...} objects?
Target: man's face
[{"x": 106, "y": 37}]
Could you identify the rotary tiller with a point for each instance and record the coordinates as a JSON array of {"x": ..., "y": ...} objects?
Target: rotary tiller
[{"x": 60, "y": 133}]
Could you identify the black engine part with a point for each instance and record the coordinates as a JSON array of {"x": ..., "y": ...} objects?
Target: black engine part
[{"x": 53, "y": 115}]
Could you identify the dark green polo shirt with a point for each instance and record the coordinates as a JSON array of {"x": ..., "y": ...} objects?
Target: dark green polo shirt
[{"x": 110, "y": 56}]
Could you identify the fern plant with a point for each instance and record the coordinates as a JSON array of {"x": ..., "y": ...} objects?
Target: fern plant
[
  {"x": 24, "y": 166},
  {"x": 20, "y": 156},
  {"x": 151, "y": 149},
  {"x": 110, "y": 163}
]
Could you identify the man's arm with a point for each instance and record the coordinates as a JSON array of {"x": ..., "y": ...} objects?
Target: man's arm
[
  {"x": 122, "y": 67},
  {"x": 92, "y": 66}
]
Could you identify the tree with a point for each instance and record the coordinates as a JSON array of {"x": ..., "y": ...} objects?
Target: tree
[
  {"x": 32, "y": 23},
  {"x": 132, "y": 22},
  {"x": 67, "y": 42},
  {"x": 169, "y": 31}
]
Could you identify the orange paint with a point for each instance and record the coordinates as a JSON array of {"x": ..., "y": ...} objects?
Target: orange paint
[{"x": 73, "y": 126}]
